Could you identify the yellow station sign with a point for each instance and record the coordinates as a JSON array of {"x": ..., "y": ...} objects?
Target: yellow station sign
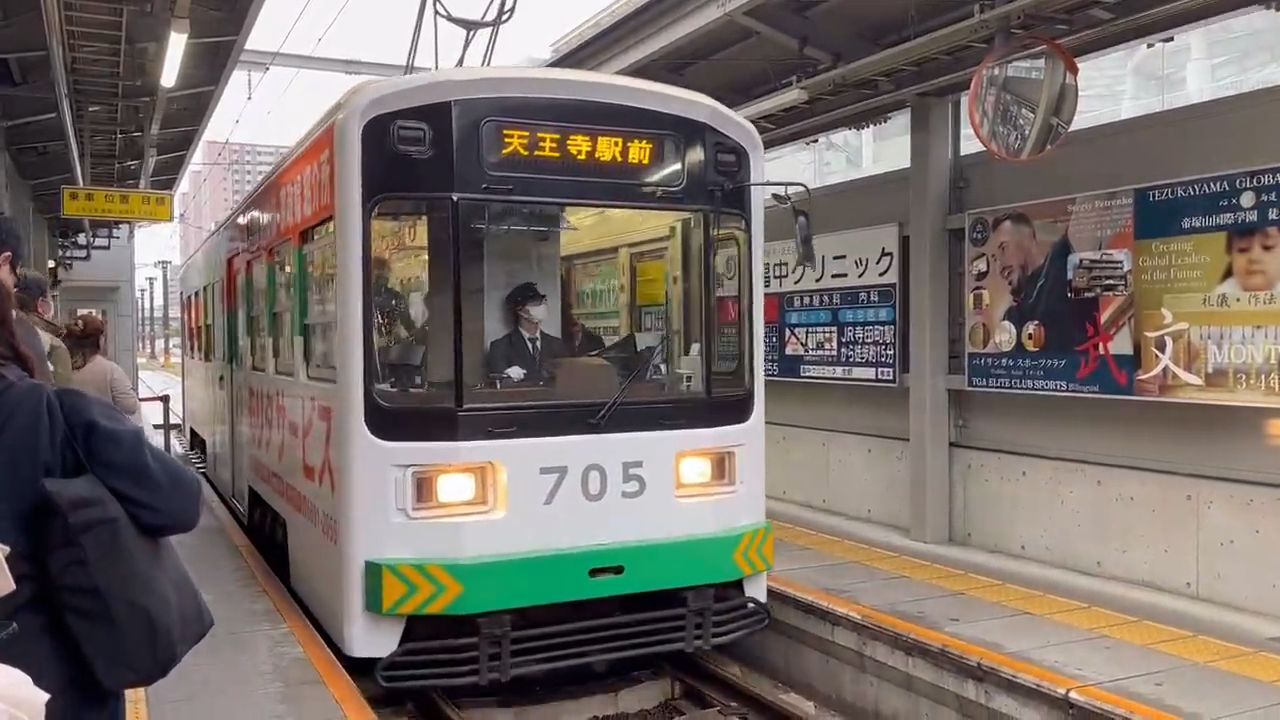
[{"x": 96, "y": 203}]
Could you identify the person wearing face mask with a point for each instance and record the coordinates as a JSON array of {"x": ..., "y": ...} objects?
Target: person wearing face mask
[
  {"x": 10, "y": 262},
  {"x": 524, "y": 353},
  {"x": 32, "y": 295}
]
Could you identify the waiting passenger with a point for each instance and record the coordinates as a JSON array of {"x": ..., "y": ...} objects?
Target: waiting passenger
[
  {"x": 34, "y": 304},
  {"x": 10, "y": 261},
  {"x": 92, "y": 372},
  {"x": 48, "y": 432},
  {"x": 523, "y": 354}
]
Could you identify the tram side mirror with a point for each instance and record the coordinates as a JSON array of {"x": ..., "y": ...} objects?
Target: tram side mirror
[
  {"x": 804, "y": 234},
  {"x": 1023, "y": 98}
]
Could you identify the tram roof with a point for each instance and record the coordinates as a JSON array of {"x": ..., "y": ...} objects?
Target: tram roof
[{"x": 799, "y": 68}]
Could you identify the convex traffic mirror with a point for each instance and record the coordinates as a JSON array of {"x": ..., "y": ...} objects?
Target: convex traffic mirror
[{"x": 1023, "y": 98}]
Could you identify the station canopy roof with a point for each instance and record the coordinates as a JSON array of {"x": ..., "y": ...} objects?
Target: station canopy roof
[
  {"x": 100, "y": 86},
  {"x": 800, "y": 68}
]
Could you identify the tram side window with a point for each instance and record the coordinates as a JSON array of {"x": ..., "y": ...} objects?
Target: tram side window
[
  {"x": 282, "y": 309},
  {"x": 197, "y": 306},
  {"x": 410, "y": 292},
  {"x": 320, "y": 311},
  {"x": 731, "y": 339},
  {"x": 219, "y": 322},
  {"x": 206, "y": 317},
  {"x": 188, "y": 328},
  {"x": 258, "y": 315}
]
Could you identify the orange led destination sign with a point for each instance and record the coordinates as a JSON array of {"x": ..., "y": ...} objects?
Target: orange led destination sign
[{"x": 582, "y": 153}]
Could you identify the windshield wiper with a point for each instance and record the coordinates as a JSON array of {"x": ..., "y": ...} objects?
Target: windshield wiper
[{"x": 602, "y": 417}]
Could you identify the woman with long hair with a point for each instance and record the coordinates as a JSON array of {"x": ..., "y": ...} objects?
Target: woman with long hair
[
  {"x": 65, "y": 433},
  {"x": 11, "y": 351},
  {"x": 93, "y": 373}
]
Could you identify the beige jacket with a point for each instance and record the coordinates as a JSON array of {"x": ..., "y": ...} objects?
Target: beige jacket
[{"x": 105, "y": 379}]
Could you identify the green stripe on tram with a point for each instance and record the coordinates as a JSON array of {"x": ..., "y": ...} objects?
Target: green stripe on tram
[{"x": 417, "y": 586}]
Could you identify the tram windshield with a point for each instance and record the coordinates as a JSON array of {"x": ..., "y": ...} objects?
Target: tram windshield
[{"x": 559, "y": 303}]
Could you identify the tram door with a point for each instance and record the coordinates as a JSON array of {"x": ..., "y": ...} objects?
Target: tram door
[
  {"x": 221, "y": 465},
  {"x": 235, "y": 361}
]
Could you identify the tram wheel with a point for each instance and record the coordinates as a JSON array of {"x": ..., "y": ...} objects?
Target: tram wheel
[{"x": 270, "y": 534}]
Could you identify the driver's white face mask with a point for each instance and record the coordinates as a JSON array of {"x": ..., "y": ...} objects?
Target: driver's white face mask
[{"x": 537, "y": 313}]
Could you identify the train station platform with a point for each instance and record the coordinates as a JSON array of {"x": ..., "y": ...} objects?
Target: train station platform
[
  {"x": 263, "y": 659},
  {"x": 881, "y": 626}
]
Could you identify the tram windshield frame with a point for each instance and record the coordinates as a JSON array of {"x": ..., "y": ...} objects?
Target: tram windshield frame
[{"x": 620, "y": 283}]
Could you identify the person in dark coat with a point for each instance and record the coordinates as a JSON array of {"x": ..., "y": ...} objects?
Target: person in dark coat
[
  {"x": 581, "y": 340},
  {"x": 523, "y": 355},
  {"x": 10, "y": 261},
  {"x": 48, "y": 432}
]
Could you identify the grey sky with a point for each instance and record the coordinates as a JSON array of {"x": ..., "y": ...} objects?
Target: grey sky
[{"x": 286, "y": 102}]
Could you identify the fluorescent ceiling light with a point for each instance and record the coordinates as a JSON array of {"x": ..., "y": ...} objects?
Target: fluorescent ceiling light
[
  {"x": 773, "y": 103},
  {"x": 173, "y": 53}
]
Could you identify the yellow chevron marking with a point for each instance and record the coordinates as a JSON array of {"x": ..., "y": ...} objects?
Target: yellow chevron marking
[
  {"x": 768, "y": 550},
  {"x": 423, "y": 591},
  {"x": 738, "y": 555},
  {"x": 393, "y": 589},
  {"x": 452, "y": 589},
  {"x": 754, "y": 553}
]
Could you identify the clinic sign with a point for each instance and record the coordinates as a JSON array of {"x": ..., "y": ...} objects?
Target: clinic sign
[
  {"x": 1169, "y": 291},
  {"x": 838, "y": 321},
  {"x": 97, "y": 203}
]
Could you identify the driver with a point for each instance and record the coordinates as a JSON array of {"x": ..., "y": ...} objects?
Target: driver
[
  {"x": 524, "y": 352},
  {"x": 390, "y": 311}
]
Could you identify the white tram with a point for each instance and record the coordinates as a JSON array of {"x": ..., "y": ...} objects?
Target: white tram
[{"x": 441, "y": 493}]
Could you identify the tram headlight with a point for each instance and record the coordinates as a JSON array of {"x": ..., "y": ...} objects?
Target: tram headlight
[
  {"x": 453, "y": 490},
  {"x": 705, "y": 472}
]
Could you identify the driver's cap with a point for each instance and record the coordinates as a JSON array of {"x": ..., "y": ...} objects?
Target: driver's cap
[{"x": 523, "y": 294}]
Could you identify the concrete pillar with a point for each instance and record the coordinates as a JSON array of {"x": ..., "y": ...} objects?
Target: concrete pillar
[{"x": 929, "y": 451}]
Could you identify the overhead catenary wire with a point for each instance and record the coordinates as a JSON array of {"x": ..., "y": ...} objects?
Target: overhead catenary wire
[{"x": 240, "y": 115}]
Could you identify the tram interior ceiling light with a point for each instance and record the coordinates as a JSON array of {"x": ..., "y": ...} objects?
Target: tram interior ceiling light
[
  {"x": 178, "y": 33},
  {"x": 776, "y": 102}
]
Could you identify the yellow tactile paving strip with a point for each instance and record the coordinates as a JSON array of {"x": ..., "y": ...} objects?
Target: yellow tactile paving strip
[{"x": 1189, "y": 646}]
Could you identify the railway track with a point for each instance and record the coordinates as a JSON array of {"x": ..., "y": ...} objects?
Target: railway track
[{"x": 697, "y": 687}]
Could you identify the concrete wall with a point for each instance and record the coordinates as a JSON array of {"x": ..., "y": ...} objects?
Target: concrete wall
[
  {"x": 1179, "y": 497},
  {"x": 15, "y": 201},
  {"x": 106, "y": 284}
]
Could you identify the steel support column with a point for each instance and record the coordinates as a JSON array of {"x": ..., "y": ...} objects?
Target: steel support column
[
  {"x": 929, "y": 453},
  {"x": 151, "y": 317}
]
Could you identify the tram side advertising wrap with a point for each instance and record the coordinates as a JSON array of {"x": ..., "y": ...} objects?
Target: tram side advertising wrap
[
  {"x": 1170, "y": 291},
  {"x": 837, "y": 322}
]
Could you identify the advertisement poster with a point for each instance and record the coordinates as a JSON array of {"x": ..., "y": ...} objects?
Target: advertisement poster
[
  {"x": 1170, "y": 291},
  {"x": 595, "y": 294},
  {"x": 1049, "y": 296},
  {"x": 1208, "y": 281},
  {"x": 837, "y": 322}
]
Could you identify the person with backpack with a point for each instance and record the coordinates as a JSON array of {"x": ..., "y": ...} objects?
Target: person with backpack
[{"x": 63, "y": 440}]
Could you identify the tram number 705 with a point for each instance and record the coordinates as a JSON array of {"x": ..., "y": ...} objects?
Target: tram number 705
[{"x": 594, "y": 481}]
